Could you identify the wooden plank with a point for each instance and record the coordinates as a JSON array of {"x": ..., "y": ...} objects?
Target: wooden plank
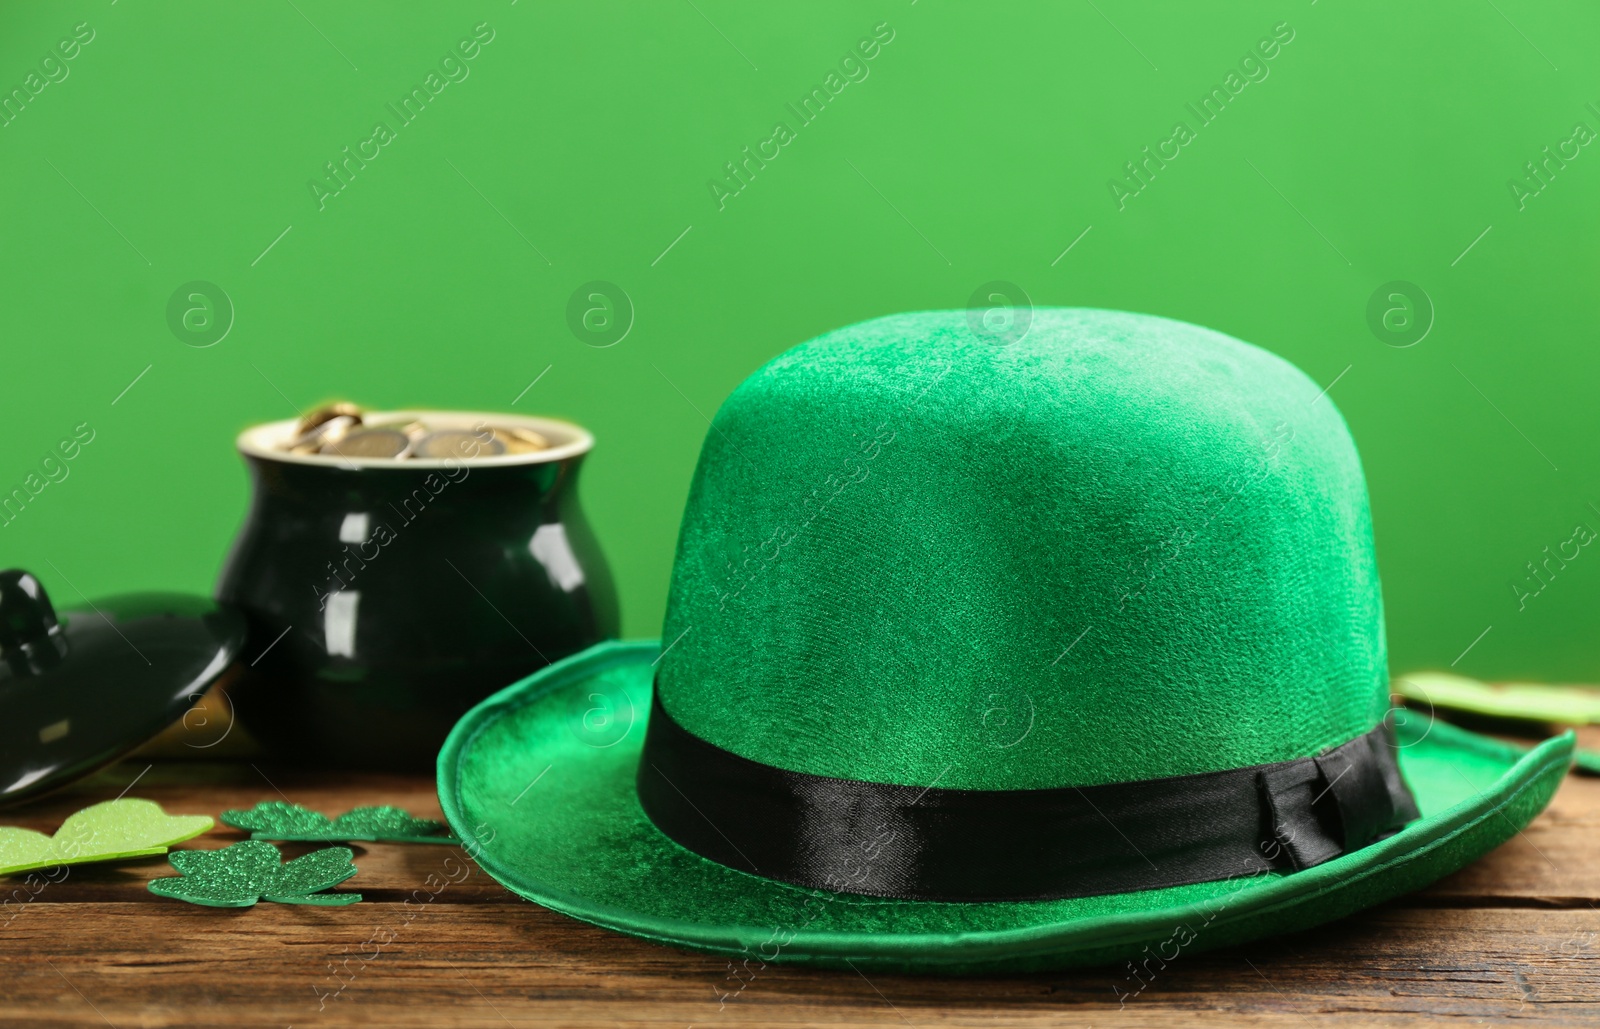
[
  {"x": 492, "y": 963},
  {"x": 1549, "y": 863},
  {"x": 1513, "y": 938}
]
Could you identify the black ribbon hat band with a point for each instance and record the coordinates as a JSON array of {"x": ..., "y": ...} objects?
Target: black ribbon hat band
[{"x": 940, "y": 844}]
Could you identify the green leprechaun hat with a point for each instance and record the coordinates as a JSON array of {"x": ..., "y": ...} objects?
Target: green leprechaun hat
[{"x": 991, "y": 651}]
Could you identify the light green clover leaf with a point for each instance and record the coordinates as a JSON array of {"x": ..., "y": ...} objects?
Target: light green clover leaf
[{"x": 113, "y": 830}]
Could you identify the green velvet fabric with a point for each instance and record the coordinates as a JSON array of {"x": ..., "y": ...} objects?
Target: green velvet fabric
[
  {"x": 549, "y": 809},
  {"x": 1122, "y": 547}
]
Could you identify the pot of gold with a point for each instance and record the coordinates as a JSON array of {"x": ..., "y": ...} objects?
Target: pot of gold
[{"x": 398, "y": 567}]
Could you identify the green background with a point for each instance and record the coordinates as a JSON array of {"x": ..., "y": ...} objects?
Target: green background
[{"x": 981, "y": 144}]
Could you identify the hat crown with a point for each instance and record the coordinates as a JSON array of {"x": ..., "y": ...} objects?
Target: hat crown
[{"x": 1119, "y": 548}]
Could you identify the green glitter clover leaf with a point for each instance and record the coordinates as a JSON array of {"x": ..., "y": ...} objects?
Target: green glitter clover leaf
[
  {"x": 279, "y": 820},
  {"x": 240, "y": 875},
  {"x": 113, "y": 830}
]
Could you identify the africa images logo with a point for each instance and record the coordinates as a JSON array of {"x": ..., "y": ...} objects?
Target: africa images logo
[
  {"x": 1253, "y": 67},
  {"x": 53, "y": 68},
  {"x": 853, "y": 67},
  {"x": 342, "y": 171},
  {"x": 1542, "y": 172}
]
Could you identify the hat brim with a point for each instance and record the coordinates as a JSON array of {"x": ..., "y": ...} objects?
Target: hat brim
[{"x": 538, "y": 781}]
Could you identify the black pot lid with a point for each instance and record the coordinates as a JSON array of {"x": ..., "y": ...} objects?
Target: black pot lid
[{"x": 79, "y": 691}]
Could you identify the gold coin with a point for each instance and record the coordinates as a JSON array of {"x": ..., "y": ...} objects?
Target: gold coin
[
  {"x": 457, "y": 443},
  {"x": 370, "y": 442},
  {"x": 326, "y": 413},
  {"x": 329, "y": 432},
  {"x": 518, "y": 440}
]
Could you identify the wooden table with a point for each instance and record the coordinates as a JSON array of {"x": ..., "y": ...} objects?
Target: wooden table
[{"x": 1513, "y": 938}]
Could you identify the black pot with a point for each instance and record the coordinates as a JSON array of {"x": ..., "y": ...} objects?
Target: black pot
[{"x": 385, "y": 597}]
